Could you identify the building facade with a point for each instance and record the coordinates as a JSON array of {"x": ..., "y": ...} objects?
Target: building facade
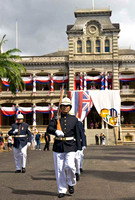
[{"x": 93, "y": 61}]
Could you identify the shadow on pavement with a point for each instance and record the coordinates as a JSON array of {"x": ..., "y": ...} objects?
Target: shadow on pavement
[
  {"x": 112, "y": 175},
  {"x": 37, "y": 178},
  {"x": 34, "y": 192}
]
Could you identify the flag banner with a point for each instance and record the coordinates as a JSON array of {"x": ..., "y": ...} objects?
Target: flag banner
[
  {"x": 43, "y": 79},
  {"x": 26, "y": 110},
  {"x": 127, "y": 108},
  {"x": 126, "y": 78},
  {"x": 27, "y": 80},
  {"x": 106, "y": 102},
  {"x": 8, "y": 111},
  {"x": 60, "y": 79}
]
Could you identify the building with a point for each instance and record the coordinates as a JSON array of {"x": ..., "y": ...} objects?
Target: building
[{"x": 92, "y": 59}]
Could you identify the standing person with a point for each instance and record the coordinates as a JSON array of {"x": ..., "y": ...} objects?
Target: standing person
[
  {"x": 103, "y": 139},
  {"x": 97, "y": 139},
  {"x": 37, "y": 138},
  {"x": 2, "y": 141},
  {"x": 22, "y": 140},
  {"x": 66, "y": 143},
  {"x": 47, "y": 141}
]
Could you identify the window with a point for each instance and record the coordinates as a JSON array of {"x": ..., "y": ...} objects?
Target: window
[
  {"x": 79, "y": 46},
  {"x": 107, "y": 46},
  {"x": 98, "y": 46},
  {"x": 88, "y": 46}
]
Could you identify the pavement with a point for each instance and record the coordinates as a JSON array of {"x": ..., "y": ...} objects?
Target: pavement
[{"x": 109, "y": 174}]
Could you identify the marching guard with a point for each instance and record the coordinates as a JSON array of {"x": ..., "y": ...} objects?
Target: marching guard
[
  {"x": 22, "y": 140},
  {"x": 66, "y": 143}
]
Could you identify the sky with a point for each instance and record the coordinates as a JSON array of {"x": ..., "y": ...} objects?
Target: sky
[{"x": 42, "y": 23}]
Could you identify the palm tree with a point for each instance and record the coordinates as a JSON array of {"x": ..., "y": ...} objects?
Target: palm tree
[{"x": 11, "y": 69}]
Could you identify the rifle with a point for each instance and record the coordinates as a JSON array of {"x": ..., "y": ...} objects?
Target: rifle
[{"x": 58, "y": 113}]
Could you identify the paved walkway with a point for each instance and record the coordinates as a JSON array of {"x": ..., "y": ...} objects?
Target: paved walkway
[{"x": 109, "y": 174}]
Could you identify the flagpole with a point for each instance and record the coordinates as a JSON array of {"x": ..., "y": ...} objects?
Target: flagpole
[
  {"x": 92, "y": 4},
  {"x": 16, "y": 34}
]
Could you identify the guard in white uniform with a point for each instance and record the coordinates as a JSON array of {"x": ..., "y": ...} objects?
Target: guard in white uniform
[
  {"x": 66, "y": 143},
  {"x": 79, "y": 154},
  {"x": 22, "y": 139}
]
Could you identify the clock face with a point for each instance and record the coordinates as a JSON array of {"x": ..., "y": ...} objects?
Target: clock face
[{"x": 92, "y": 30}]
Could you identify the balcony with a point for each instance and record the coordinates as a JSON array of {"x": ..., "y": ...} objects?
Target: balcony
[
  {"x": 38, "y": 93},
  {"x": 127, "y": 91}
]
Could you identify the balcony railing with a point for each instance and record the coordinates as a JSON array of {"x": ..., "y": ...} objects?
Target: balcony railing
[
  {"x": 38, "y": 93},
  {"x": 127, "y": 91}
]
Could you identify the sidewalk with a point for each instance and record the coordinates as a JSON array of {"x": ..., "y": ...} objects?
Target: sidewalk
[{"x": 109, "y": 174}]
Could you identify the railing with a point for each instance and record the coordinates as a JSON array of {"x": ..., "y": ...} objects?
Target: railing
[
  {"x": 30, "y": 93},
  {"x": 127, "y": 91}
]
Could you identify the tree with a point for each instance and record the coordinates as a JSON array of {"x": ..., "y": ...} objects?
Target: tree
[{"x": 11, "y": 69}]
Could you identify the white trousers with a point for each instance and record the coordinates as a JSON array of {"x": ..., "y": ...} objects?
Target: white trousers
[
  {"x": 81, "y": 158},
  {"x": 64, "y": 170},
  {"x": 77, "y": 161},
  {"x": 20, "y": 156}
]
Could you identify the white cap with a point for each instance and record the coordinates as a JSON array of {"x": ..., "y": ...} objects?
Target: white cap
[
  {"x": 20, "y": 116},
  {"x": 66, "y": 101}
]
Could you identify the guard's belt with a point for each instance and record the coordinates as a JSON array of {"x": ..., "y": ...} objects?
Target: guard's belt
[
  {"x": 20, "y": 136},
  {"x": 64, "y": 138}
]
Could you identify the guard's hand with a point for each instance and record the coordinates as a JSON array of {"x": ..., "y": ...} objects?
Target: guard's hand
[
  {"x": 84, "y": 147},
  {"x": 28, "y": 144},
  {"x": 59, "y": 133},
  {"x": 15, "y": 131}
]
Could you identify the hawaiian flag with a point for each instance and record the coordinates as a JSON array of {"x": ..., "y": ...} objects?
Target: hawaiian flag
[{"x": 81, "y": 103}]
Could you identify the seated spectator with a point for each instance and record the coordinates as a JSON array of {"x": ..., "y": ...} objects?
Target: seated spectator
[{"x": 91, "y": 125}]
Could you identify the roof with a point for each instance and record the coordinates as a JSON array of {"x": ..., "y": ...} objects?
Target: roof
[
  {"x": 58, "y": 53},
  {"x": 126, "y": 52}
]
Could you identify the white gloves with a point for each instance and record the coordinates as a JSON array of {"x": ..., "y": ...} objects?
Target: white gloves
[
  {"x": 84, "y": 147},
  {"x": 15, "y": 131},
  {"x": 59, "y": 133},
  {"x": 28, "y": 144}
]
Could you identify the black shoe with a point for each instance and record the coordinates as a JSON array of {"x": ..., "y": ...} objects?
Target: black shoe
[
  {"x": 60, "y": 195},
  {"x": 77, "y": 177},
  {"x": 81, "y": 170},
  {"x": 70, "y": 189},
  {"x": 23, "y": 170},
  {"x": 18, "y": 171}
]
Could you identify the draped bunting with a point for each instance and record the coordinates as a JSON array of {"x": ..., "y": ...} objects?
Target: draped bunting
[
  {"x": 42, "y": 79},
  {"x": 60, "y": 79},
  {"x": 8, "y": 111},
  {"x": 127, "y": 108},
  {"x": 93, "y": 78},
  {"x": 126, "y": 78},
  {"x": 27, "y": 80},
  {"x": 43, "y": 109},
  {"x": 26, "y": 110},
  {"x": 5, "y": 82}
]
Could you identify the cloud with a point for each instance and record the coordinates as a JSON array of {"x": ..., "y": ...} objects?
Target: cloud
[{"x": 42, "y": 23}]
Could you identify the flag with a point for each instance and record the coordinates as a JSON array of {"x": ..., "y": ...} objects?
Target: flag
[{"x": 81, "y": 103}]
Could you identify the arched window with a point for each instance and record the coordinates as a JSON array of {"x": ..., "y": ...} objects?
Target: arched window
[
  {"x": 107, "y": 46},
  {"x": 79, "y": 46},
  {"x": 88, "y": 46},
  {"x": 98, "y": 46}
]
